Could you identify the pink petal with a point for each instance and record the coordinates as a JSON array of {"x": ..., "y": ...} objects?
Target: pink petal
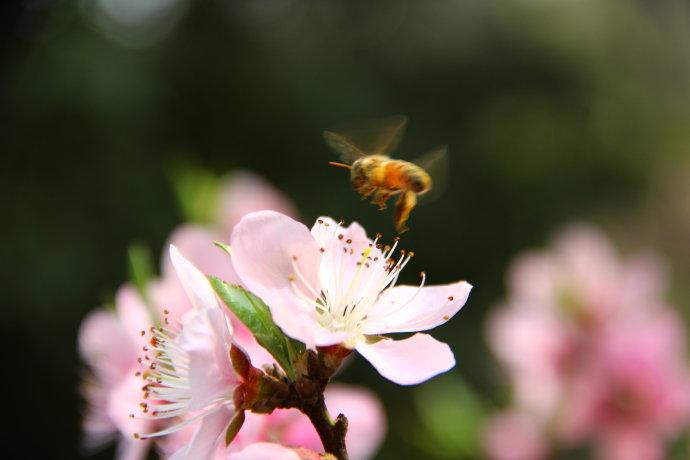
[
  {"x": 409, "y": 361},
  {"x": 167, "y": 293},
  {"x": 410, "y": 309},
  {"x": 631, "y": 445},
  {"x": 132, "y": 312},
  {"x": 106, "y": 346},
  {"x": 263, "y": 246},
  {"x": 244, "y": 192},
  {"x": 343, "y": 247},
  {"x": 207, "y": 436},
  {"x": 265, "y": 451},
  {"x": 514, "y": 436},
  {"x": 206, "y": 340},
  {"x": 132, "y": 449},
  {"x": 365, "y": 415},
  {"x": 124, "y": 401},
  {"x": 196, "y": 243},
  {"x": 195, "y": 284}
]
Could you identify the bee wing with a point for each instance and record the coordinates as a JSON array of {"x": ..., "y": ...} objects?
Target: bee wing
[
  {"x": 371, "y": 137},
  {"x": 348, "y": 151},
  {"x": 436, "y": 163}
]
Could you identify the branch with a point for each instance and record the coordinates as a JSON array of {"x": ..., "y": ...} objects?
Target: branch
[{"x": 332, "y": 433}]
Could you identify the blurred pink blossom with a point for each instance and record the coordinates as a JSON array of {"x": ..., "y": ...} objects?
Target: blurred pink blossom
[
  {"x": 514, "y": 435},
  {"x": 334, "y": 285},
  {"x": 592, "y": 351},
  {"x": 110, "y": 342}
]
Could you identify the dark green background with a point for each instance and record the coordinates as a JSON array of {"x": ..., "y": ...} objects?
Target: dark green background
[{"x": 554, "y": 111}]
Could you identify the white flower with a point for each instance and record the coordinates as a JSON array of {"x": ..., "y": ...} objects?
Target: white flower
[{"x": 334, "y": 285}]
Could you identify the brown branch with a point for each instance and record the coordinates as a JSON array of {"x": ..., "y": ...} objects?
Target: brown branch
[
  {"x": 332, "y": 433},
  {"x": 264, "y": 391}
]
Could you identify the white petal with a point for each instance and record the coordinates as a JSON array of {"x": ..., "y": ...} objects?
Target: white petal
[
  {"x": 410, "y": 309},
  {"x": 409, "y": 361},
  {"x": 194, "y": 282}
]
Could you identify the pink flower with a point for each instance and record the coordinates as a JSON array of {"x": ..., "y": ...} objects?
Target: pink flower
[
  {"x": 592, "y": 351},
  {"x": 514, "y": 436},
  {"x": 291, "y": 428},
  {"x": 633, "y": 393},
  {"x": 108, "y": 344},
  {"x": 334, "y": 285},
  {"x": 190, "y": 375}
]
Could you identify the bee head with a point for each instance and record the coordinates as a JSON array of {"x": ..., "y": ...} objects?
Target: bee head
[{"x": 420, "y": 183}]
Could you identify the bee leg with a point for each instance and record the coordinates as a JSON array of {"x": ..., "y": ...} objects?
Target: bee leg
[
  {"x": 366, "y": 191},
  {"x": 380, "y": 199},
  {"x": 403, "y": 208}
]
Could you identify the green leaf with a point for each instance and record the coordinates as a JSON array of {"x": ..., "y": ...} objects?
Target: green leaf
[{"x": 255, "y": 314}]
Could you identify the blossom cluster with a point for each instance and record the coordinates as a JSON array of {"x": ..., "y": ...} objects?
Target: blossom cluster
[
  {"x": 193, "y": 364},
  {"x": 594, "y": 355}
]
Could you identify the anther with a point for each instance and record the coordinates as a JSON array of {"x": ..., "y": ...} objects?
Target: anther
[
  {"x": 166, "y": 312},
  {"x": 446, "y": 317},
  {"x": 291, "y": 277},
  {"x": 294, "y": 258},
  {"x": 341, "y": 236},
  {"x": 450, "y": 297},
  {"x": 322, "y": 250},
  {"x": 320, "y": 221},
  {"x": 348, "y": 241},
  {"x": 143, "y": 333}
]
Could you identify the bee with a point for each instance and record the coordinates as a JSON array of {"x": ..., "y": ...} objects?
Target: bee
[{"x": 374, "y": 174}]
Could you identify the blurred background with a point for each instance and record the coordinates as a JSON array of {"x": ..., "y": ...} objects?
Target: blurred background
[{"x": 554, "y": 111}]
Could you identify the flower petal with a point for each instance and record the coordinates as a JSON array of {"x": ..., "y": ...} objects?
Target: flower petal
[
  {"x": 263, "y": 247},
  {"x": 409, "y": 361},
  {"x": 365, "y": 416},
  {"x": 132, "y": 449},
  {"x": 196, "y": 243},
  {"x": 410, "y": 309},
  {"x": 265, "y": 451},
  {"x": 195, "y": 284},
  {"x": 132, "y": 312},
  {"x": 206, "y": 340},
  {"x": 106, "y": 346},
  {"x": 124, "y": 400},
  {"x": 244, "y": 192},
  {"x": 206, "y": 436}
]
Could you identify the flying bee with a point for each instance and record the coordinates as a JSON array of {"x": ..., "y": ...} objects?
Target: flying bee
[{"x": 374, "y": 174}]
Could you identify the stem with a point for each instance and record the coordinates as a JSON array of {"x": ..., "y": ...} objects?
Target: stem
[
  {"x": 275, "y": 391},
  {"x": 332, "y": 433}
]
